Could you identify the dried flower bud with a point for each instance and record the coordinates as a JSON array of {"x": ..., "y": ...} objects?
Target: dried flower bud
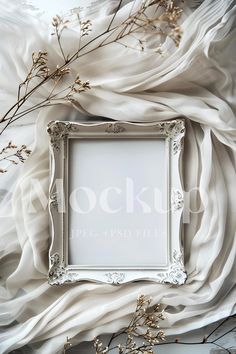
[{"x": 56, "y": 21}]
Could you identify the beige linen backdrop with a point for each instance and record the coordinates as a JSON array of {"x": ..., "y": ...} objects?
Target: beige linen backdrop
[{"x": 195, "y": 81}]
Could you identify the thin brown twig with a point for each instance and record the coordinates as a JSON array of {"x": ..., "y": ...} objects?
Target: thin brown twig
[
  {"x": 113, "y": 17},
  {"x": 60, "y": 46}
]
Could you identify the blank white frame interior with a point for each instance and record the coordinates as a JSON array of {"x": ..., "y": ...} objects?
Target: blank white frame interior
[{"x": 116, "y": 202}]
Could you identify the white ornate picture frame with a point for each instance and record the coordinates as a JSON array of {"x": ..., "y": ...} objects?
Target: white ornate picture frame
[{"x": 63, "y": 136}]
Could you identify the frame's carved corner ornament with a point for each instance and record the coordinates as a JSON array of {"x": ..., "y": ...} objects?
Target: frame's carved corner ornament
[
  {"x": 176, "y": 273},
  {"x": 114, "y": 128},
  {"x": 177, "y": 200},
  {"x": 57, "y": 270},
  {"x": 175, "y": 130},
  {"x": 58, "y": 274},
  {"x": 115, "y": 278},
  {"x": 59, "y": 131}
]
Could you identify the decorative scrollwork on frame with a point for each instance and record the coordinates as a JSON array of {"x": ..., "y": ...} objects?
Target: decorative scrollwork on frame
[
  {"x": 174, "y": 130},
  {"x": 54, "y": 200},
  {"x": 114, "y": 128},
  {"x": 177, "y": 200},
  {"x": 176, "y": 273},
  {"x": 58, "y": 131},
  {"x": 115, "y": 277},
  {"x": 58, "y": 274},
  {"x": 56, "y": 271}
]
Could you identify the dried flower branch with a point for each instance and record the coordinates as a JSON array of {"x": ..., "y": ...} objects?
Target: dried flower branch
[
  {"x": 162, "y": 23},
  {"x": 14, "y": 154},
  {"x": 206, "y": 340},
  {"x": 143, "y": 325},
  {"x": 59, "y": 25}
]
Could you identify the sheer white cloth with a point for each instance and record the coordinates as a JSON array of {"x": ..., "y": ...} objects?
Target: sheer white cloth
[{"x": 195, "y": 81}]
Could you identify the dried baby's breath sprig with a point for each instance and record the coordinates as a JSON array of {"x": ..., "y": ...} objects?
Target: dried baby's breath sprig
[
  {"x": 60, "y": 72},
  {"x": 13, "y": 154},
  {"x": 59, "y": 24},
  {"x": 85, "y": 27},
  {"x": 99, "y": 348},
  {"x": 7, "y": 148},
  {"x": 156, "y": 17},
  {"x": 144, "y": 325},
  {"x": 77, "y": 87},
  {"x": 221, "y": 330}
]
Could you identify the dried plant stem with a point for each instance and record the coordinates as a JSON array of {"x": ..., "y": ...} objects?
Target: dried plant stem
[
  {"x": 204, "y": 341},
  {"x": 143, "y": 321},
  {"x": 144, "y": 325},
  {"x": 60, "y": 45},
  {"x": 137, "y": 22},
  {"x": 13, "y": 154}
]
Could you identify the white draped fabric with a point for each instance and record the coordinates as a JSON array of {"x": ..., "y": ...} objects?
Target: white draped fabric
[{"x": 195, "y": 81}]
